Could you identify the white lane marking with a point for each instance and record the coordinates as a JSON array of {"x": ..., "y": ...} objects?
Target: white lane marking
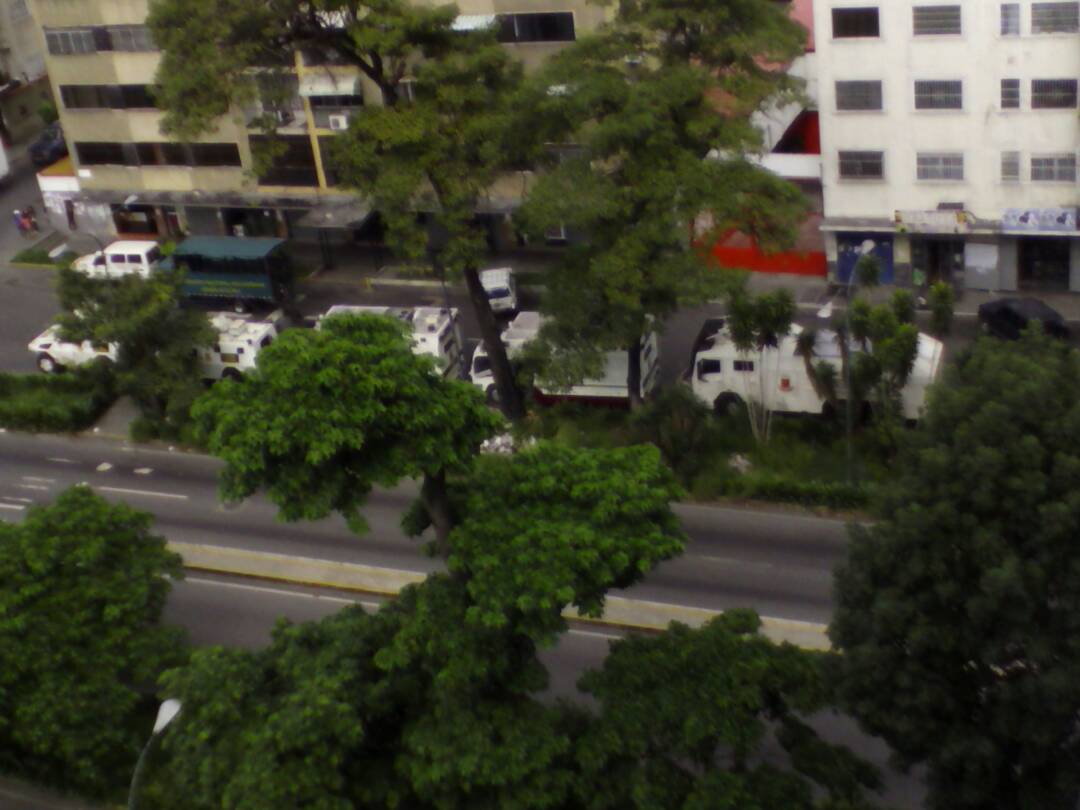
[
  {"x": 593, "y": 634},
  {"x": 143, "y": 470},
  {"x": 39, "y": 480},
  {"x": 280, "y": 592},
  {"x": 14, "y": 498},
  {"x": 104, "y": 467},
  {"x": 33, "y": 486},
  {"x": 150, "y": 493},
  {"x": 15, "y": 506},
  {"x": 60, "y": 460},
  {"x": 731, "y": 561}
]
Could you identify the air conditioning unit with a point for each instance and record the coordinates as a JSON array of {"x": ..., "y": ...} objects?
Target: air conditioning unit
[{"x": 339, "y": 121}]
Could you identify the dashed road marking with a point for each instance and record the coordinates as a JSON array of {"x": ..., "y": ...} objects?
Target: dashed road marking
[
  {"x": 13, "y": 498},
  {"x": 14, "y": 506},
  {"x": 60, "y": 460},
  {"x": 38, "y": 487},
  {"x": 37, "y": 480},
  {"x": 143, "y": 470},
  {"x": 147, "y": 492},
  {"x": 103, "y": 467}
]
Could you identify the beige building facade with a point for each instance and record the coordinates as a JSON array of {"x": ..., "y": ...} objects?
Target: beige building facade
[
  {"x": 124, "y": 176},
  {"x": 24, "y": 86}
]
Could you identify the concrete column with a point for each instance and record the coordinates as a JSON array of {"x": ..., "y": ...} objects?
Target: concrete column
[
  {"x": 1008, "y": 263},
  {"x": 901, "y": 256},
  {"x": 830, "y": 254}
]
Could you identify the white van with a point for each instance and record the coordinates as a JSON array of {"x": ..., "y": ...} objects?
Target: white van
[
  {"x": 609, "y": 388},
  {"x": 238, "y": 345},
  {"x": 54, "y": 354},
  {"x": 722, "y": 376},
  {"x": 122, "y": 258},
  {"x": 501, "y": 287},
  {"x": 434, "y": 330}
]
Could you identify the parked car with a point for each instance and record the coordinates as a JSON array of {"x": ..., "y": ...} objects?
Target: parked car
[
  {"x": 49, "y": 146},
  {"x": 1008, "y": 317},
  {"x": 125, "y": 257},
  {"x": 54, "y": 354}
]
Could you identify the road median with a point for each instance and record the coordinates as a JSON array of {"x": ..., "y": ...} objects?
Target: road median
[{"x": 618, "y": 612}]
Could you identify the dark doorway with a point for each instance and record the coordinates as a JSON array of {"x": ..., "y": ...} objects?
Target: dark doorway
[
  {"x": 1044, "y": 263},
  {"x": 249, "y": 222},
  {"x": 69, "y": 210},
  {"x": 937, "y": 259}
]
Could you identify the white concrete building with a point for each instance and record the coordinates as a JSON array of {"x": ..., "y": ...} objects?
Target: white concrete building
[{"x": 949, "y": 140}]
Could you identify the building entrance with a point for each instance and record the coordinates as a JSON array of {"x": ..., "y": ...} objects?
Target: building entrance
[
  {"x": 934, "y": 260},
  {"x": 1043, "y": 263}
]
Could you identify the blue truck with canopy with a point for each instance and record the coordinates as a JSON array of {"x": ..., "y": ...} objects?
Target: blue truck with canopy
[{"x": 233, "y": 269}]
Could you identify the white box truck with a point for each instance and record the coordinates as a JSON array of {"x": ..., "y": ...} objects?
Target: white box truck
[
  {"x": 434, "y": 330},
  {"x": 238, "y": 344},
  {"x": 500, "y": 285},
  {"x": 608, "y": 388},
  {"x": 722, "y": 376}
]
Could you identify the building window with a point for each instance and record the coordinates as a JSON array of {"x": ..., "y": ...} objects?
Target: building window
[
  {"x": 852, "y": 96},
  {"x": 551, "y": 26},
  {"x": 67, "y": 41},
  {"x": 215, "y": 154},
  {"x": 937, "y": 20},
  {"x": 939, "y": 95},
  {"x": 1010, "y": 19},
  {"x": 1010, "y": 94},
  {"x": 1054, "y": 168},
  {"x": 336, "y": 102},
  {"x": 1010, "y": 167},
  {"x": 743, "y": 365},
  {"x": 106, "y": 96},
  {"x": 1055, "y": 18},
  {"x": 940, "y": 166},
  {"x": 293, "y": 167},
  {"x": 1053, "y": 94},
  {"x": 862, "y": 165},
  {"x": 70, "y": 41},
  {"x": 101, "y": 154},
  {"x": 853, "y": 23}
]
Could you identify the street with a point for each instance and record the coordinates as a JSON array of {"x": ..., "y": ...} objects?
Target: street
[{"x": 779, "y": 564}]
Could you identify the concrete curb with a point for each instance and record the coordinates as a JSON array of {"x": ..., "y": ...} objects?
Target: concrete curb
[{"x": 618, "y": 611}]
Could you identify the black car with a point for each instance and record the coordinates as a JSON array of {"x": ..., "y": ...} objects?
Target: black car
[
  {"x": 1008, "y": 317},
  {"x": 49, "y": 146}
]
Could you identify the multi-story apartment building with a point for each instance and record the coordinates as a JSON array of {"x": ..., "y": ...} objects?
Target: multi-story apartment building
[
  {"x": 125, "y": 177},
  {"x": 949, "y": 139},
  {"x": 23, "y": 84}
]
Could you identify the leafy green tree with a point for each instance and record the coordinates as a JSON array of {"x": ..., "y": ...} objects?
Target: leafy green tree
[
  {"x": 957, "y": 610},
  {"x": 653, "y": 155},
  {"x": 758, "y": 324},
  {"x": 157, "y": 365},
  {"x": 213, "y": 51},
  {"x": 83, "y": 586},
  {"x": 441, "y": 154},
  {"x": 330, "y": 413},
  {"x": 685, "y": 719}
]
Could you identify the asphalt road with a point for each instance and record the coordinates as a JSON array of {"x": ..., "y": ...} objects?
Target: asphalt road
[
  {"x": 778, "y": 564},
  {"x": 231, "y": 612}
]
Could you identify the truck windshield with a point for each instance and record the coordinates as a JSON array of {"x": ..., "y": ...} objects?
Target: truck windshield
[
  {"x": 481, "y": 363},
  {"x": 499, "y": 292}
]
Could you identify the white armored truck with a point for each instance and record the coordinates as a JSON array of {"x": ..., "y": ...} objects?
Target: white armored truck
[{"x": 434, "y": 330}]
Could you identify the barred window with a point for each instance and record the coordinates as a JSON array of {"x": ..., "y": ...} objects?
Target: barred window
[
  {"x": 100, "y": 154},
  {"x": 1010, "y": 19},
  {"x": 1053, "y": 94},
  {"x": 940, "y": 166},
  {"x": 851, "y": 23},
  {"x": 1056, "y": 168},
  {"x": 131, "y": 38},
  {"x": 936, "y": 20},
  {"x": 862, "y": 165},
  {"x": 860, "y": 95},
  {"x": 1010, "y": 94},
  {"x": 939, "y": 95},
  {"x": 65, "y": 42},
  {"x": 1010, "y": 167},
  {"x": 1055, "y": 18}
]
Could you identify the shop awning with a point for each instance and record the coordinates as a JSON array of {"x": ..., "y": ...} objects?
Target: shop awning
[{"x": 336, "y": 217}]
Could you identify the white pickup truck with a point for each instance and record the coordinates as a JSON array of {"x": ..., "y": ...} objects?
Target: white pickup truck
[
  {"x": 54, "y": 354},
  {"x": 125, "y": 257}
]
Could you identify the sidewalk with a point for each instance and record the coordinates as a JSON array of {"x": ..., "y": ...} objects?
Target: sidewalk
[{"x": 18, "y": 795}]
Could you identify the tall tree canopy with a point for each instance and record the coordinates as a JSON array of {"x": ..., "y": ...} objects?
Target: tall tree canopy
[
  {"x": 330, "y": 413},
  {"x": 82, "y": 587},
  {"x": 658, "y": 108},
  {"x": 959, "y": 610}
]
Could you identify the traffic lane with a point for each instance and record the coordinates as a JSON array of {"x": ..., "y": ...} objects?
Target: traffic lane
[{"x": 238, "y": 613}]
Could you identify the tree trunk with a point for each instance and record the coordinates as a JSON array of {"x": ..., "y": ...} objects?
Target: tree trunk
[
  {"x": 510, "y": 399},
  {"x": 633, "y": 374},
  {"x": 436, "y": 501}
]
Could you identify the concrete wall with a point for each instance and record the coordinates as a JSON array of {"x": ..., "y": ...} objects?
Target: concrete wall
[{"x": 980, "y": 57}]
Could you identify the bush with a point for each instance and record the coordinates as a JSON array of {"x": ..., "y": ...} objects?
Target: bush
[
  {"x": 61, "y": 403},
  {"x": 771, "y": 487},
  {"x": 32, "y": 256},
  {"x": 941, "y": 300},
  {"x": 903, "y": 306},
  {"x": 48, "y": 113}
]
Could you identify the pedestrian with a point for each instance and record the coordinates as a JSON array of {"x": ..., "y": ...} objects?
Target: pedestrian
[
  {"x": 18, "y": 221},
  {"x": 31, "y": 214},
  {"x": 26, "y": 224}
]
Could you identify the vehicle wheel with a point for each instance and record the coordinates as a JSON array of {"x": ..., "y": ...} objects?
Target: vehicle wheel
[
  {"x": 239, "y": 307},
  {"x": 492, "y": 395},
  {"x": 727, "y": 404},
  {"x": 47, "y": 364},
  {"x": 231, "y": 374}
]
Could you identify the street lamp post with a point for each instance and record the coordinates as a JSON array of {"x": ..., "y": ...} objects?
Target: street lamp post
[{"x": 166, "y": 712}]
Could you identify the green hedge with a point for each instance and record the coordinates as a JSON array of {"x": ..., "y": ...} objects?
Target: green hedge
[
  {"x": 58, "y": 403},
  {"x": 772, "y": 487}
]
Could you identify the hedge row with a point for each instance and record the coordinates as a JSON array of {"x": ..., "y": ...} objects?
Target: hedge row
[
  {"x": 771, "y": 487},
  {"x": 61, "y": 403}
]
